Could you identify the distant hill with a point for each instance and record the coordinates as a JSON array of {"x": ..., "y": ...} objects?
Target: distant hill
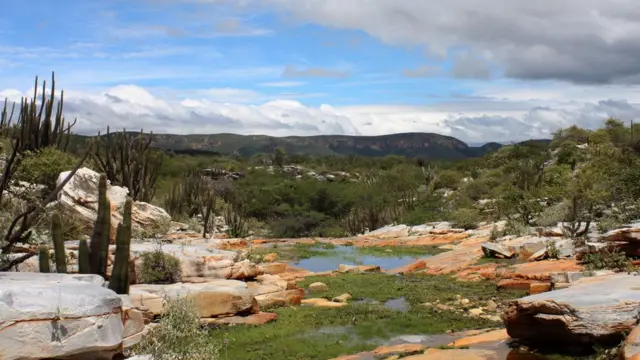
[{"x": 429, "y": 146}]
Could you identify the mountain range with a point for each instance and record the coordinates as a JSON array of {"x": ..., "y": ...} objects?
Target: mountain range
[{"x": 429, "y": 146}]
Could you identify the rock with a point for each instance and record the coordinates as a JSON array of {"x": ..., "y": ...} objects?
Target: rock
[
  {"x": 398, "y": 350},
  {"x": 537, "y": 288},
  {"x": 271, "y": 257},
  {"x": 212, "y": 299},
  {"x": 321, "y": 302},
  {"x": 273, "y": 268},
  {"x": 496, "y": 250},
  {"x": 475, "y": 312},
  {"x": 597, "y": 311},
  {"x": 318, "y": 287},
  {"x": 79, "y": 196},
  {"x": 515, "y": 284},
  {"x": 260, "y": 318},
  {"x": 342, "y": 298},
  {"x": 491, "y": 306},
  {"x": 344, "y": 269},
  {"x": 631, "y": 347},
  {"x": 455, "y": 354},
  {"x": 465, "y": 302},
  {"x": 413, "y": 267},
  {"x": 272, "y": 291},
  {"x": 57, "y": 316},
  {"x": 491, "y": 336}
]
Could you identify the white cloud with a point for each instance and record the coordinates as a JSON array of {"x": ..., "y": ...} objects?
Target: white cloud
[
  {"x": 494, "y": 117},
  {"x": 282, "y": 84}
]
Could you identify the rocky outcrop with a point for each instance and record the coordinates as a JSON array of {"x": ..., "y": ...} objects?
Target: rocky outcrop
[
  {"x": 600, "y": 310},
  {"x": 79, "y": 197},
  {"x": 60, "y": 316},
  {"x": 217, "y": 298}
]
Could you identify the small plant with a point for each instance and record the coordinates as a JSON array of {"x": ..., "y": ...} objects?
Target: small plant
[
  {"x": 516, "y": 228},
  {"x": 466, "y": 218},
  {"x": 179, "y": 335},
  {"x": 159, "y": 268},
  {"x": 552, "y": 251},
  {"x": 607, "y": 260},
  {"x": 495, "y": 234}
]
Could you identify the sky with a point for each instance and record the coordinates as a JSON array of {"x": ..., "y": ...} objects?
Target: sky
[{"x": 490, "y": 70}]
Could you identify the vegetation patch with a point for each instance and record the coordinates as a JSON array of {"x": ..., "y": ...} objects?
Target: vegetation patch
[
  {"x": 323, "y": 333},
  {"x": 159, "y": 268},
  {"x": 399, "y": 251}
]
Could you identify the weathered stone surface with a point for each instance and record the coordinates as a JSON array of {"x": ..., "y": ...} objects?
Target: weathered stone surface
[
  {"x": 491, "y": 336},
  {"x": 321, "y": 302},
  {"x": 343, "y": 269},
  {"x": 455, "y": 354},
  {"x": 539, "y": 287},
  {"x": 452, "y": 261},
  {"x": 596, "y": 311},
  {"x": 413, "y": 267},
  {"x": 496, "y": 250},
  {"x": 318, "y": 287},
  {"x": 212, "y": 299},
  {"x": 631, "y": 347},
  {"x": 342, "y": 298},
  {"x": 401, "y": 349},
  {"x": 57, "y": 315},
  {"x": 80, "y": 194},
  {"x": 273, "y": 268},
  {"x": 260, "y": 318},
  {"x": 272, "y": 291}
]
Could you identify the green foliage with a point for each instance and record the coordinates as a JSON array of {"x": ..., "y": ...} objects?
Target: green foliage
[
  {"x": 84, "y": 259},
  {"x": 552, "y": 250},
  {"x": 179, "y": 335},
  {"x": 607, "y": 260},
  {"x": 467, "y": 218},
  {"x": 159, "y": 268},
  {"x": 513, "y": 227},
  {"x": 44, "y": 166}
]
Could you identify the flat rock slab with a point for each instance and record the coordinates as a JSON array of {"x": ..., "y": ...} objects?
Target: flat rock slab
[
  {"x": 260, "y": 318},
  {"x": 212, "y": 299},
  {"x": 451, "y": 261},
  {"x": 56, "y": 316},
  {"x": 455, "y": 354},
  {"x": 591, "y": 312}
]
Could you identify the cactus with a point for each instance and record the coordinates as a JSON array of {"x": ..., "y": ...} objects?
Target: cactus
[
  {"x": 99, "y": 250},
  {"x": 119, "y": 281},
  {"x": 58, "y": 244},
  {"x": 43, "y": 257},
  {"x": 129, "y": 161},
  {"x": 84, "y": 261}
]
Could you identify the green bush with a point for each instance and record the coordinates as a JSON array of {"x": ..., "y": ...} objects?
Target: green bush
[
  {"x": 466, "y": 218},
  {"x": 607, "y": 260},
  {"x": 554, "y": 214},
  {"x": 179, "y": 335},
  {"x": 159, "y": 268},
  {"x": 44, "y": 166}
]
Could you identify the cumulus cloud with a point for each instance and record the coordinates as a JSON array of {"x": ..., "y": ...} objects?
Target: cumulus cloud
[
  {"x": 473, "y": 120},
  {"x": 293, "y": 72},
  {"x": 582, "y": 41}
]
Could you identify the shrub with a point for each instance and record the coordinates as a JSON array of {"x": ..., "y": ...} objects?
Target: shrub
[
  {"x": 159, "y": 268},
  {"x": 44, "y": 166},
  {"x": 607, "y": 260},
  {"x": 466, "y": 218},
  {"x": 554, "y": 214},
  {"x": 516, "y": 228},
  {"x": 178, "y": 335}
]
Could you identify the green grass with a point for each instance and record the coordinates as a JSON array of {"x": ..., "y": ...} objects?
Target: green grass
[
  {"x": 503, "y": 262},
  {"x": 321, "y": 333}
]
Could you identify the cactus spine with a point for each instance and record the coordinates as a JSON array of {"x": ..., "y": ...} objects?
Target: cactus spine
[
  {"x": 58, "y": 244},
  {"x": 84, "y": 261},
  {"x": 43, "y": 257},
  {"x": 119, "y": 281},
  {"x": 99, "y": 250}
]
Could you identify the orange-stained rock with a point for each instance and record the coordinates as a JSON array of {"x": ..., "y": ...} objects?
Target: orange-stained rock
[
  {"x": 273, "y": 268},
  {"x": 259, "y": 241},
  {"x": 631, "y": 347},
  {"x": 351, "y": 357},
  {"x": 343, "y": 269},
  {"x": 452, "y": 261},
  {"x": 491, "y": 336},
  {"x": 478, "y": 272},
  {"x": 320, "y": 302},
  {"x": 541, "y": 270},
  {"x": 455, "y": 354},
  {"x": 260, "y": 318},
  {"x": 232, "y": 244},
  {"x": 402, "y": 349},
  {"x": 514, "y": 284},
  {"x": 183, "y": 235},
  {"x": 537, "y": 288},
  {"x": 271, "y": 257},
  {"x": 415, "y": 266}
]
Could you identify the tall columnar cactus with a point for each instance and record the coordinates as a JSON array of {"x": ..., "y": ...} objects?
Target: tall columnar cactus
[
  {"x": 119, "y": 281},
  {"x": 58, "y": 243},
  {"x": 99, "y": 249},
  {"x": 43, "y": 257},
  {"x": 130, "y": 161},
  {"x": 84, "y": 259}
]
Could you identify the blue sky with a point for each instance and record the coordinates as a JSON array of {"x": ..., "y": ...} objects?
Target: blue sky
[{"x": 304, "y": 67}]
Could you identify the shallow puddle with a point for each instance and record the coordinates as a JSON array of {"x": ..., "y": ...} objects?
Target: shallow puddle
[{"x": 348, "y": 255}]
